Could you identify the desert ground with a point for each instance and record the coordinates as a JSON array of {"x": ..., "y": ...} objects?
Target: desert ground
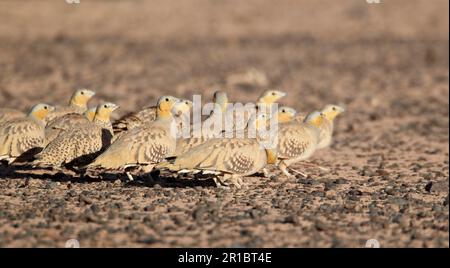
[{"x": 388, "y": 63}]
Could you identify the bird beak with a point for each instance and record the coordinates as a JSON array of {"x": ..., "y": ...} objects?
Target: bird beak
[
  {"x": 90, "y": 93},
  {"x": 282, "y": 94},
  {"x": 114, "y": 107},
  {"x": 51, "y": 108}
]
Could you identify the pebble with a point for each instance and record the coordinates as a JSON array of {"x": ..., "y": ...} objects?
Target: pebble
[
  {"x": 87, "y": 200},
  {"x": 320, "y": 225},
  {"x": 199, "y": 212},
  {"x": 149, "y": 239}
]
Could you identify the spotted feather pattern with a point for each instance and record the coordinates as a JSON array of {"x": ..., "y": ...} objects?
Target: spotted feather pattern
[
  {"x": 145, "y": 145},
  {"x": 63, "y": 110},
  {"x": 135, "y": 119},
  {"x": 233, "y": 156},
  {"x": 20, "y": 135},
  {"x": 63, "y": 123},
  {"x": 296, "y": 140},
  {"x": 75, "y": 144}
]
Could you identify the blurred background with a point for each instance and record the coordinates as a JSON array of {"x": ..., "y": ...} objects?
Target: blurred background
[{"x": 132, "y": 51}]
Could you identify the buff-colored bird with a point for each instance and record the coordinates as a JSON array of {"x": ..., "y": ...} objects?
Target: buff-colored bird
[
  {"x": 143, "y": 117},
  {"x": 285, "y": 114},
  {"x": 209, "y": 128},
  {"x": 81, "y": 144},
  {"x": 23, "y": 137},
  {"x": 143, "y": 146},
  {"x": 8, "y": 114},
  {"x": 181, "y": 114},
  {"x": 326, "y": 125},
  {"x": 270, "y": 96},
  {"x": 297, "y": 141},
  {"x": 67, "y": 123},
  {"x": 263, "y": 103},
  {"x": 234, "y": 158},
  {"x": 77, "y": 104}
]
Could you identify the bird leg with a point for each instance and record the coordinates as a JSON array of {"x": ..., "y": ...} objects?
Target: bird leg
[
  {"x": 220, "y": 184},
  {"x": 237, "y": 181},
  {"x": 299, "y": 172},
  {"x": 130, "y": 177},
  {"x": 284, "y": 169},
  {"x": 307, "y": 163}
]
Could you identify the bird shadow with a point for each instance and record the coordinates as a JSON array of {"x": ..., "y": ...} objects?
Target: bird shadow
[{"x": 149, "y": 180}]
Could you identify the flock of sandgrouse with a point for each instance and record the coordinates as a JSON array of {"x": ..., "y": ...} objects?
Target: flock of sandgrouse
[{"x": 84, "y": 139}]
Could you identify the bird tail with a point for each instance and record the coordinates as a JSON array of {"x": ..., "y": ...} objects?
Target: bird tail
[
  {"x": 39, "y": 163},
  {"x": 166, "y": 165}
]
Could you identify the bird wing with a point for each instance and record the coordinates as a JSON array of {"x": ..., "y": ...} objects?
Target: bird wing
[
  {"x": 71, "y": 145},
  {"x": 135, "y": 119},
  {"x": 20, "y": 135},
  {"x": 294, "y": 139}
]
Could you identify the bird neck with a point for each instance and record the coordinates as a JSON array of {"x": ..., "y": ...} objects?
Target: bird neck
[
  {"x": 78, "y": 102},
  {"x": 89, "y": 114},
  {"x": 163, "y": 114},
  {"x": 330, "y": 116},
  {"x": 284, "y": 118},
  {"x": 102, "y": 117},
  {"x": 223, "y": 106},
  {"x": 317, "y": 121},
  {"x": 271, "y": 156},
  {"x": 39, "y": 116}
]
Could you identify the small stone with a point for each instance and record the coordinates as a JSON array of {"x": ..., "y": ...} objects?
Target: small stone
[
  {"x": 445, "y": 203},
  {"x": 87, "y": 200},
  {"x": 198, "y": 213},
  {"x": 320, "y": 225},
  {"x": 148, "y": 240},
  {"x": 390, "y": 191}
]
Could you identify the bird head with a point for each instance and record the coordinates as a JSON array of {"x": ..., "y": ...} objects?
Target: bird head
[
  {"x": 165, "y": 105},
  {"x": 220, "y": 98},
  {"x": 271, "y": 96},
  {"x": 81, "y": 97},
  {"x": 285, "y": 114},
  {"x": 258, "y": 121},
  {"x": 315, "y": 118},
  {"x": 182, "y": 107},
  {"x": 331, "y": 111},
  {"x": 104, "y": 110},
  {"x": 40, "y": 111}
]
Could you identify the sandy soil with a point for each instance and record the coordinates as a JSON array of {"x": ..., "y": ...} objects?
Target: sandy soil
[{"x": 388, "y": 63}]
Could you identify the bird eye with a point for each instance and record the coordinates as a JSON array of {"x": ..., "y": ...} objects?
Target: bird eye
[
  {"x": 45, "y": 107},
  {"x": 283, "y": 111},
  {"x": 273, "y": 93},
  {"x": 106, "y": 106},
  {"x": 334, "y": 108},
  {"x": 82, "y": 92},
  {"x": 167, "y": 99}
]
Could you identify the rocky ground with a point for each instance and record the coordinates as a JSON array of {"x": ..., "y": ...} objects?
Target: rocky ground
[{"x": 388, "y": 63}]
